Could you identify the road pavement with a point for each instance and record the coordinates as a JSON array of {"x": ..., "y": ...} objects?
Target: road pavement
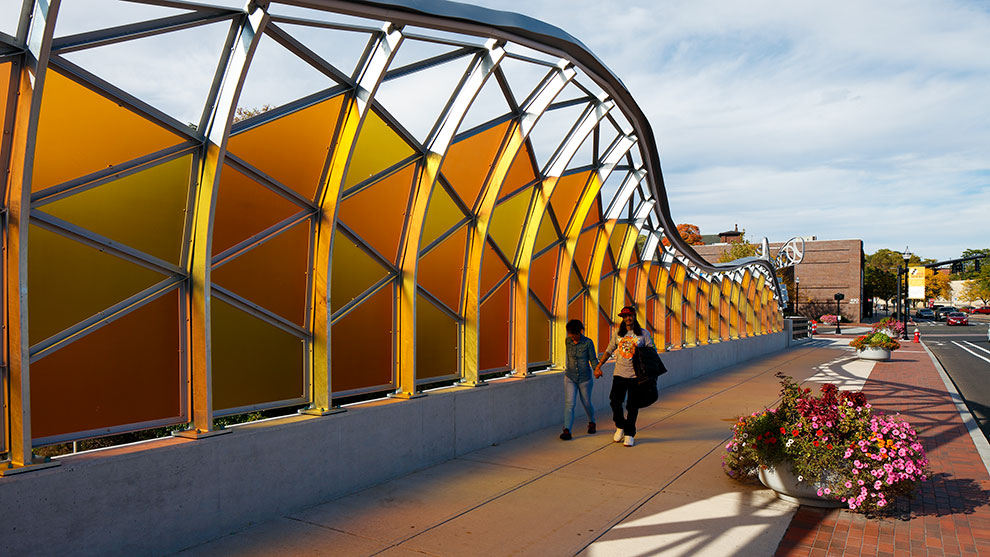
[{"x": 964, "y": 352}]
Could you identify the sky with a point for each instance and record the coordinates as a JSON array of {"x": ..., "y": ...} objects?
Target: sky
[{"x": 837, "y": 120}]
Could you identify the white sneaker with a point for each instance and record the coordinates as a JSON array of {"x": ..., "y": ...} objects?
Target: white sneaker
[
  {"x": 618, "y": 436},
  {"x": 629, "y": 441}
]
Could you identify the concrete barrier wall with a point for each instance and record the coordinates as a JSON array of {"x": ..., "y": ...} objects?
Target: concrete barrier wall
[{"x": 166, "y": 495}]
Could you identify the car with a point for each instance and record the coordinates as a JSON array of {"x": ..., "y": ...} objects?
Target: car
[
  {"x": 941, "y": 312},
  {"x": 967, "y": 309},
  {"x": 924, "y": 313},
  {"x": 984, "y": 309},
  {"x": 956, "y": 318}
]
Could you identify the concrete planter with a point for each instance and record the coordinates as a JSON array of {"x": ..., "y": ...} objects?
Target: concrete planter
[
  {"x": 873, "y": 353},
  {"x": 788, "y": 488}
]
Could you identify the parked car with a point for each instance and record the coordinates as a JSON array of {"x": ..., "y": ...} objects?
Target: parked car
[
  {"x": 984, "y": 309},
  {"x": 957, "y": 318},
  {"x": 967, "y": 309},
  {"x": 941, "y": 312},
  {"x": 925, "y": 313}
]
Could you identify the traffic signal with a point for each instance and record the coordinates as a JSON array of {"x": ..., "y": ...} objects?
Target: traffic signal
[
  {"x": 976, "y": 265},
  {"x": 957, "y": 268}
]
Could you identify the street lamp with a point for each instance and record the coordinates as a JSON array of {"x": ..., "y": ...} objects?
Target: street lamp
[
  {"x": 838, "y": 316},
  {"x": 907, "y": 258}
]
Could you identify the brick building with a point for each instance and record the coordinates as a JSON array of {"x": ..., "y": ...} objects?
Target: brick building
[{"x": 829, "y": 267}]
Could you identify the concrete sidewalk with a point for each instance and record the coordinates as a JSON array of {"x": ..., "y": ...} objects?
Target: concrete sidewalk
[{"x": 537, "y": 495}]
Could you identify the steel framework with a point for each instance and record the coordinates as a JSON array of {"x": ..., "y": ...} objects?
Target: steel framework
[{"x": 436, "y": 208}]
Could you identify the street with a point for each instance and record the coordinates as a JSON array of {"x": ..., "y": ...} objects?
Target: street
[{"x": 965, "y": 354}]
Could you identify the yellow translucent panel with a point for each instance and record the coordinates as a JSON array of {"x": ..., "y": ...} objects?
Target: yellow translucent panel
[
  {"x": 253, "y": 362},
  {"x": 441, "y": 271},
  {"x": 605, "y": 294},
  {"x": 521, "y": 173},
  {"x": 352, "y": 272},
  {"x": 507, "y": 222},
  {"x": 537, "y": 334},
  {"x": 377, "y": 213},
  {"x": 273, "y": 274},
  {"x": 146, "y": 210},
  {"x": 469, "y": 161},
  {"x": 605, "y": 332},
  {"x": 245, "y": 208},
  {"x": 81, "y": 132},
  {"x": 126, "y": 372},
  {"x": 441, "y": 215},
  {"x": 492, "y": 269},
  {"x": 617, "y": 238},
  {"x": 493, "y": 329},
  {"x": 543, "y": 276},
  {"x": 293, "y": 148},
  {"x": 436, "y": 341},
  {"x": 377, "y": 148},
  {"x": 565, "y": 196},
  {"x": 70, "y": 282},
  {"x": 361, "y": 345},
  {"x": 546, "y": 235},
  {"x": 689, "y": 311}
]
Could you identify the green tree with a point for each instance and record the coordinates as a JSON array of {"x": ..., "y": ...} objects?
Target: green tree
[
  {"x": 738, "y": 251},
  {"x": 937, "y": 285},
  {"x": 879, "y": 283},
  {"x": 969, "y": 267}
]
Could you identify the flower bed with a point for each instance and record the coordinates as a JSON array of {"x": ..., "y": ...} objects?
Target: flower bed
[
  {"x": 834, "y": 441},
  {"x": 874, "y": 340}
]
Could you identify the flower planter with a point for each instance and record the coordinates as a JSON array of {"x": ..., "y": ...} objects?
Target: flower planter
[
  {"x": 873, "y": 353},
  {"x": 788, "y": 488}
]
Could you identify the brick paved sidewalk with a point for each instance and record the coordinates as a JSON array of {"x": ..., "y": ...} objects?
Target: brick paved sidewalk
[{"x": 950, "y": 515}]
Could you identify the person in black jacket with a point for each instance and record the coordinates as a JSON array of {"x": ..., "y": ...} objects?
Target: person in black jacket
[{"x": 629, "y": 336}]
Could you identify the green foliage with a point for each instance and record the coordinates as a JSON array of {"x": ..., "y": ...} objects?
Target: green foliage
[
  {"x": 738, "y": 251},
  {"x": 879, "y": 283},
  {"x": 969, "y": 267},
  {"x": 874, "y": 340}
]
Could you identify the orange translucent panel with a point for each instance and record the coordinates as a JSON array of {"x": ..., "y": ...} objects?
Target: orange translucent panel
[
  {"x": 273, "y": 274},
  {"x": 441, "y": 271},
  {"x": 4, "y": 87},
  {"x": 292, "y": 149},
  {"x": 126, "y": 372},
  {"x": 651, "y": 308},
  {"x": 607, "y": 266},
  {"x": 361, "y": 345},
  {"x": 546, "y": 235},
  {"x": 537, "y": 334},
  {"x": 543, "y": 276},
  {"x": 573, "y": 284},
  {"x": 594, "y": 214},
  {"x": 493, "y": 329},
  {"x": 245, "y": 208},
  {"x": 576, "y": 309},
  {"x": 436, "y": 341},
  {"x": 352, "y": 272},
  {"x": 583, "y": 249},
  {"x": 566, "y": 194},
  {"x": 81, "y": 132},
  {"x": 378, "y": 147},
  {"x": 689, "y": 310},
  {"x": 70, "y": 282},
  {"x": 492, "y": 269},
  {"x": 632, "y": 277},
  {"x": 145, "y": 210},
  {"x": 520, "y": 173},
  {"x": 253, "y": 362},
  {"x": 469, "y": 161},
  {"x": 605, "y": 294},
  {"x": 442, "y": 214},
  {"x": 507, "y": 222},
  {"x": 377, "y": 213}
]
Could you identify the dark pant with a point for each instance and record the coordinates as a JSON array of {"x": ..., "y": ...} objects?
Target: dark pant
[{"x": 622, "y": 389}]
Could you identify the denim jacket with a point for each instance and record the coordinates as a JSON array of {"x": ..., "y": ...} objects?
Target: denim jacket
[{"x": 581, "y": 358}]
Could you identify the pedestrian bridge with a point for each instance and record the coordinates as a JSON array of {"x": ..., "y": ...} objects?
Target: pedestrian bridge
[{"x": 213, "y": 210}]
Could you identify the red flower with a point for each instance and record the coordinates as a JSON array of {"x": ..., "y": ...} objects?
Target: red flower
[
  {"x": 795, "y": 433},
  {"x": 819, "y": 433},
  {"x": 816, "y": 443},
  {"x": 783, "y": 430},
  {"x": 829, "y": 446}
]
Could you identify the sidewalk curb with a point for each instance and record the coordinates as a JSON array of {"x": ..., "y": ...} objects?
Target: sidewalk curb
[{"x": 982, "y": 446}]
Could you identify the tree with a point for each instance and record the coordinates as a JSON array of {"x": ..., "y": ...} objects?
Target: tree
[
  {"x": 969, "y": 267},
  {"x": 937, "y": 285},
  {"x": 690, "y": 233},
  {"x": 245, "y": 113},
  {"x": 974, "y": 290},
  {"x": 738, "y": 251},
  {"x": 879, "y": 283}
]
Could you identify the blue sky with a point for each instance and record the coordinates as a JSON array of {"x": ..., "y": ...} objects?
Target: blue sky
[
  {"x": 839, "y": 120},
  {"x": 836, "y": 120}
]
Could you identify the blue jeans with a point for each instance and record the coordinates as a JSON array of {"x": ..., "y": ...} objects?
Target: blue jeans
[{"x": 571, "y": 391}]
